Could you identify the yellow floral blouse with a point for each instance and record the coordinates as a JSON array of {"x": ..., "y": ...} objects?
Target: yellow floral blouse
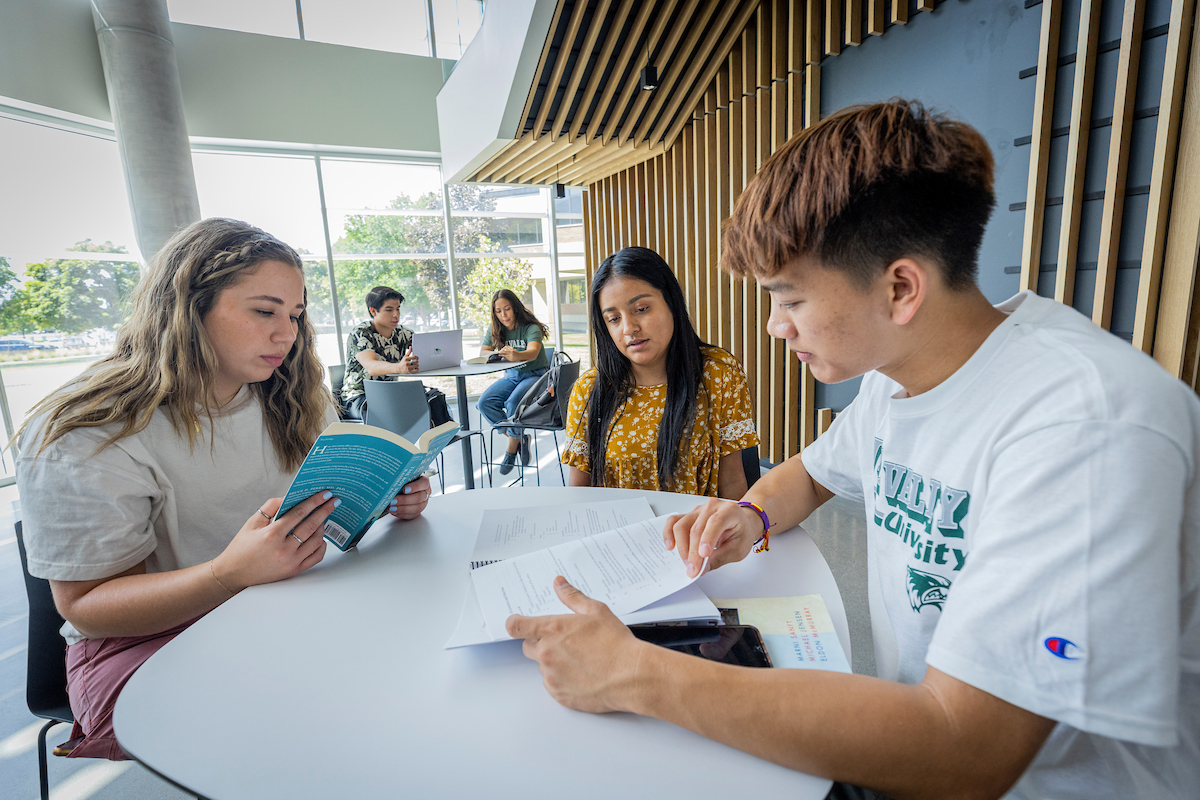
[{"x": 724, "y": 425}]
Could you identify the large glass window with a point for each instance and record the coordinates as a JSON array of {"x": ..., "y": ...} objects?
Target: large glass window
[
  {"x": 279, "y": 194},
  {"x": 65, "y": 275},
  {"x": 397, "y": 26},
  {"x": 572, "y": 275},
  {"x": 454, "y": 25},
  {"x": 68, "y": 258},
  {"x": 268, "y": 17}
]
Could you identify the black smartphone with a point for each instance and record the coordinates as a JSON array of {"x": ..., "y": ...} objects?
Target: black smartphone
[
  {"x": 494, "y": 357},
  {"x": 729, "y": 644}
]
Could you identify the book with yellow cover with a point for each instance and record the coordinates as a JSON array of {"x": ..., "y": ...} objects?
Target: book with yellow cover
[{"x": 797, "y": 631}]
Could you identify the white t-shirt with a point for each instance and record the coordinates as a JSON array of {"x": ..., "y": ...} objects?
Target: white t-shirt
[
  {"x": 147, "y": 497},
  {"x": 1034, "y": 531}
]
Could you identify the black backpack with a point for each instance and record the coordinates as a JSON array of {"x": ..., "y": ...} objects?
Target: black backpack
[{"x": 538, "y": 406}]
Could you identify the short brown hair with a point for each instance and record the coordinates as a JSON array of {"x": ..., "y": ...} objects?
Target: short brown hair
[{"x": 864, "y": 187}]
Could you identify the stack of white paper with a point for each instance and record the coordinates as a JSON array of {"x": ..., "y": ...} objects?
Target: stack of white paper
[{"x": 612, "y": 552}]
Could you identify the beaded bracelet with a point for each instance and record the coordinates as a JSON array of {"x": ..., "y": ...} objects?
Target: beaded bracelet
[{"x": 764, "y": 542}]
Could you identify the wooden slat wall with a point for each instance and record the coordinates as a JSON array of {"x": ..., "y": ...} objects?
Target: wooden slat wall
[
  {"x": 767, "y": 87},
  {"x": 1165, "y": 324}
]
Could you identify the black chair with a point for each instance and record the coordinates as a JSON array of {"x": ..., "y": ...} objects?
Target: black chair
[
  {"x": 751, "y": 465},
  {"x": 568, "y": 373},
  {"x": 401, "y": 407},
  {"x": 46, "y": 674}
]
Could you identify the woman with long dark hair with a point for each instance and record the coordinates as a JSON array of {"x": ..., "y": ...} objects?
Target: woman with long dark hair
[
  {"x": 515, "y": 335},
  {"x": 150, "y": 483},
  {"x": 660, "y": 409}
]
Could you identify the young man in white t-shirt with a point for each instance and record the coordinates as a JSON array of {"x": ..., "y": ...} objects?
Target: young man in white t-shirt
[{"x": 1032, "y": 501}]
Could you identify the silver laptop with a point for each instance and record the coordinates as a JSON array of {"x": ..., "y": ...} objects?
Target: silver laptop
[{"x": 437, "y": 350}]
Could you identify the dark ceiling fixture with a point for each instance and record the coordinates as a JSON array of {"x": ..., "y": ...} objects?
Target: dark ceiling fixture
[{"x": 649, "y": 77}]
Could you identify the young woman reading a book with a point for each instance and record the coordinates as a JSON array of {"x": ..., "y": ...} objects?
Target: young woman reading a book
[
  {"x": 149, "y": 483},
  {"x": 660, "y": 410},
  {"x": 515, "y": 335}
]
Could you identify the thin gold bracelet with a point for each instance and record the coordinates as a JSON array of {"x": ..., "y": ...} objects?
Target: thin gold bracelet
[{"x": 218, "y": 580}]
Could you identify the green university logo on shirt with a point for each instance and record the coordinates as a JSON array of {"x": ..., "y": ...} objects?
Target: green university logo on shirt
[{"x": 927, "y": 516}]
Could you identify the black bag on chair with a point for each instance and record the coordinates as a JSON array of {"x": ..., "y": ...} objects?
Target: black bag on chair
[{"x": 538, "y": 406}]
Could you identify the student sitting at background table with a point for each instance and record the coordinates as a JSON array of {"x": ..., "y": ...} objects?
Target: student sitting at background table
[
  {"x": 380, "y": 348},
  {"x": 661, "y": 409},
  {"x": 522, "y": 335},
  {"x": 145, "y": 481}
]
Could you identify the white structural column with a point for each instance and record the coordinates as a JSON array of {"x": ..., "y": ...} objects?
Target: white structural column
[{"x": 146, "y": 101}]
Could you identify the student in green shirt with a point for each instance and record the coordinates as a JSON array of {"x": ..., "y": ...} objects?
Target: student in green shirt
[{"x": 516, "y": 335}]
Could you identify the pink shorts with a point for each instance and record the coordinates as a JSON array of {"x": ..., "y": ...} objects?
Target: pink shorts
[{"x": 97, "y": 670}]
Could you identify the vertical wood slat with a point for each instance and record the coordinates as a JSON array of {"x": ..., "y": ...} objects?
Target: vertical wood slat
[
  {"x": 900, "y": 12},
  {"x": 1181, "y": 258},
  {"x": 854, "y": 22},
  {"x": 926, "y": 5},
  {"x": 1077, "y": 149},
  {"x": 875, "y": 17},
  {"x": 1039, "y": 148},
  {"x": 724, "y": 193},
  {"x": 711, "y": 202},
  {"x": 1166, "y": 140},
  {"x": 749, "y": 306},
  {"x": 652, "y": 204},
  {"x": 1118, "y": 160},
  {"x": 679, "y": 214},
  {"x": 689, "y": 221},
  {"x": 734, "y": 154},
  {"x": 833, "y": 27},
  {"x": 762, "y": 150},
  {"x": 824, "y": 419},
  {"x": 779, "y": 29},
  {"x": 667, "y": 193},
  {"x": 699, "y": 175},
  {"x": 589, "y": 230}
]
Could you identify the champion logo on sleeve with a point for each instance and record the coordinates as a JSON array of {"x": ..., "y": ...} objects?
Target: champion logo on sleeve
[{"x": 1063, "y": 648}]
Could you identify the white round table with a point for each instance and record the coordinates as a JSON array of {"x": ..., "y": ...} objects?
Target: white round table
[{"x": 336, "y": 684}]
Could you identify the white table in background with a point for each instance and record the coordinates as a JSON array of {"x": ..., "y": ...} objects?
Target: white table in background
[
  {"x": 336, "y": 684},
  {"x": 460, "y": 374}
]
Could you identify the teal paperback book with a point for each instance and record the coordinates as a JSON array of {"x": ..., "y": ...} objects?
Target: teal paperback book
[{"x": 366, "y": 467}]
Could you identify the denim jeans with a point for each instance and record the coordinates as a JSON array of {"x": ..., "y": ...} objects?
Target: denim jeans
[{"x": 499, "y": 401}]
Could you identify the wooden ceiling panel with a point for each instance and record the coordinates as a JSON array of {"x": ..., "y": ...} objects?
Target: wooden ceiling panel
[{"x": 586, "y": 115}]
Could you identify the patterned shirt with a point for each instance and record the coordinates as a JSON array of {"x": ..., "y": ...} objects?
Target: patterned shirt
[
  {"x": 365, "y": 337},
  {"x": 723, "y": 425}
]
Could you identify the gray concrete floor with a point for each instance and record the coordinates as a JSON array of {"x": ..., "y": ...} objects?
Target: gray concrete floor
[{"x": 839, "y": 530}]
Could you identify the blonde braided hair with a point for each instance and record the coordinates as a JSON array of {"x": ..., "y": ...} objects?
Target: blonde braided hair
[{"x": 163, "y": 357}]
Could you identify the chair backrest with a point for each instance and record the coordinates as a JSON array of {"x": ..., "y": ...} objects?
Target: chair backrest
[
  {"x": 751, "y": 465},
  {"x": 46, "y": 677},
  {"x": 337, "y": 376},
  {"x": 398, "y": 406},
  {"x": 568, "y": 373}
]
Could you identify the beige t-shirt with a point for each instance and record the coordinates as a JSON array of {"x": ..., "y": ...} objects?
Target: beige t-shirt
[{"x": 147, "y": 497}]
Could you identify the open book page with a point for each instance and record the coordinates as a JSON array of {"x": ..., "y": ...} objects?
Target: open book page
[
  {"x": 627, "y": 569},
  {"x": 797, "y": 631},
  {"x": 510, "y": 532}
]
